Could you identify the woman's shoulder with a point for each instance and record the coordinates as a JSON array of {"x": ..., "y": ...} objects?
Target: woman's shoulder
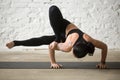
[{"x": 87, "y": 37}]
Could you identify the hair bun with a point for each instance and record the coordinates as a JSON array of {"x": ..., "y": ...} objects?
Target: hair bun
[{"x": 91, "y": 47}]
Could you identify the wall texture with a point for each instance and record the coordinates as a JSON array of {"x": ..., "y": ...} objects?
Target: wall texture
[{"x": 24, "y": 19}]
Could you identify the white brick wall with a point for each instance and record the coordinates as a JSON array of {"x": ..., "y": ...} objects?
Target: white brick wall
[{"x": 24, "y": 19}]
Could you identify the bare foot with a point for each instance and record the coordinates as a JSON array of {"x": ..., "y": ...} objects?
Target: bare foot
[{"x": 10, "y": 45}]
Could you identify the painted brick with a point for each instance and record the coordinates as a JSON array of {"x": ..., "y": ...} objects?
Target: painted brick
[{"x": 24, "y": 19}]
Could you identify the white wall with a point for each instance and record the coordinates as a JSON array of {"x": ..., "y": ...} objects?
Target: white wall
[{"x": 24, "y": 19}]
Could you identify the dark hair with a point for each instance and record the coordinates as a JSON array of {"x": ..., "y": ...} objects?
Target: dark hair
[{"x": 81, "y": 49}]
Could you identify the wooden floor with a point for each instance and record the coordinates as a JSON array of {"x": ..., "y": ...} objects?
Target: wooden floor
[{"x": 39, "y": 55}]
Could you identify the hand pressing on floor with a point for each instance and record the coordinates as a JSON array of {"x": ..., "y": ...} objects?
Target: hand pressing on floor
[
  {"x": 101, "y": 66},
  {"x": 56, "y": 66}
]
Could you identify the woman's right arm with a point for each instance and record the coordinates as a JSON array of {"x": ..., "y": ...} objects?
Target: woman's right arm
[
  {"x": 52, "y": 59},
  {"x": 68, "y": 44}
]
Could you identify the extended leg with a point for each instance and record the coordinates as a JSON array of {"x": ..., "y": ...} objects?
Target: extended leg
[{"x": 44, "y": 40}]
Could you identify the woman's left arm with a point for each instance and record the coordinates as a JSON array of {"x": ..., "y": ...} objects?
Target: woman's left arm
[{"x": 103, "y": 47}]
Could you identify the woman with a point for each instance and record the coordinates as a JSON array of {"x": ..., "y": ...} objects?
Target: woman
[{"x": 67, "y": 37}]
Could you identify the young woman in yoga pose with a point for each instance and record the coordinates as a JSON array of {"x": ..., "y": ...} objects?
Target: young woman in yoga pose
[{"x": 67, "y": 38}]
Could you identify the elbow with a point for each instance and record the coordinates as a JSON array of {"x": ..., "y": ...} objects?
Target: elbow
[{"x": 105, "y": 46}]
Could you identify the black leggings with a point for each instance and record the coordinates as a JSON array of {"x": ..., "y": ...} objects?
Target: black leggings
[
  {"x": 44, "y": 40},
  {"x": 58, "y": 24}
]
